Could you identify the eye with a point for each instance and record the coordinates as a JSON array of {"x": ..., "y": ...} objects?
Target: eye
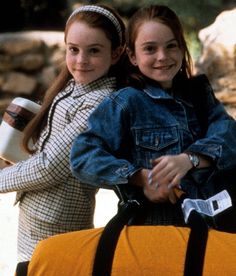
[
  {"x": 149, "y": 49},
  {"x": 172, "y": 45},
  {"x": 94, "y": 50},
  {"x": 73, "y": 50}
]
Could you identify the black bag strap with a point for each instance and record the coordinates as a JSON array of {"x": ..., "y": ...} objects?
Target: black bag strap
[
  {"x": 22, "y": 268},
  {"x": 110, "y": 235},
  {"x": 196, "y": 247}
]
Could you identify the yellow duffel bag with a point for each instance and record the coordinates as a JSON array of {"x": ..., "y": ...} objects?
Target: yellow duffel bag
[{"x": 141, "y": 250}]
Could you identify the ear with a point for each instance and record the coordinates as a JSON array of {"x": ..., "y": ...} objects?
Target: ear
[
  {"x": 131, "y": 56},
  {"x": 116, "y": 54}
]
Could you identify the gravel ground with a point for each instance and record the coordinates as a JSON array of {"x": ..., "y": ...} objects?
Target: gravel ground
[{"x": 8, "y": 229}]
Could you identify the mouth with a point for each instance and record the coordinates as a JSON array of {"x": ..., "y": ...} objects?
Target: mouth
[
  {"x": 165, "y": 68},
  {"x": 83, "y": 70}
]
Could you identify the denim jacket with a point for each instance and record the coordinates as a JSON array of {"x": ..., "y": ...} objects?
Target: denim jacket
[{"x": 131, "y": 127}]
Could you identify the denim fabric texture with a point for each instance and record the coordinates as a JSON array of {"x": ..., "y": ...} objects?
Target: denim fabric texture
[{"x": 131, "y": 127}]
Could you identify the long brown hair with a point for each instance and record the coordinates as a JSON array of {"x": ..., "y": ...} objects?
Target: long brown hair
[
  {"x": 166, "y": 16},
  {"x": 94, "y": 20}
]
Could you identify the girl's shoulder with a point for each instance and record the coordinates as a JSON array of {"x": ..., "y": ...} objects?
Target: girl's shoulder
[
  {"x": 125, "y": 98},
  {"x": 126, "y": 93}
]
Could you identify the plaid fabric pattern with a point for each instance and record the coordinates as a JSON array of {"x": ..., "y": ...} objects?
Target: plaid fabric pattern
[
  {"x": 31, "y": 231},
  {"x": 45, "y": 187}
]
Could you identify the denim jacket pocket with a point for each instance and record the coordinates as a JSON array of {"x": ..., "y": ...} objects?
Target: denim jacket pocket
[{"x": 152, "y": 143}]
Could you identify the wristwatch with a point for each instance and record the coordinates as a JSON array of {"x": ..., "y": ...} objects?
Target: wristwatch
[{"x": 194, "y": 159}]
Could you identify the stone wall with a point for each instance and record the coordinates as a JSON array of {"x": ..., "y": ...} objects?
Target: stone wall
[{"x": 29, "y": 62}]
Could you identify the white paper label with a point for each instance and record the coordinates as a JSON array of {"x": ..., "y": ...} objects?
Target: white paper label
[{"x": 210, "y": 207}]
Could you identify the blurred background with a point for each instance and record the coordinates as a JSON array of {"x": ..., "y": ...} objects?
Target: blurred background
[
  {"x": 32, "y": 42},
  {"x": 18, "y": 15}
]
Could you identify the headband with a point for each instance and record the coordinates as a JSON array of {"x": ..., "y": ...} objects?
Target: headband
[{"x": 105, "y": 12}]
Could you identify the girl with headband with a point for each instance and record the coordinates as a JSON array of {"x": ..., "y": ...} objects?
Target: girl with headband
[{"x": 51, "y": 200}]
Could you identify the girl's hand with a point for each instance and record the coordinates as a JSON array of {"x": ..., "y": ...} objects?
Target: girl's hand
[
  {"x": 164, "y": 179},
  {"x": 169, "y": 170},
  {"x": 152, "y": 192},
  {"x": 159, "y": 193},
  {"x": 162, "y": 183}
]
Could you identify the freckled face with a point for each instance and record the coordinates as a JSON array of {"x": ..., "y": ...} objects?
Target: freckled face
[
  {"x": 157, "y": 53},
  {"x": 88, "y": 53}
]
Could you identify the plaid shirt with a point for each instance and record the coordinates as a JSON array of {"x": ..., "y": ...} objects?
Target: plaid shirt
[{"x": 45, "y": 186}]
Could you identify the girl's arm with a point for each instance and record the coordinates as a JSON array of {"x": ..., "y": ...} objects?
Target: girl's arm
[
  {"x": 49, "y": 167},
  {"x": 95, "y": 153},
  {"x": 219, "y": 143}
]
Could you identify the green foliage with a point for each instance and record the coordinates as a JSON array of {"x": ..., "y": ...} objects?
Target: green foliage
[{"x": 194, "y": 45}]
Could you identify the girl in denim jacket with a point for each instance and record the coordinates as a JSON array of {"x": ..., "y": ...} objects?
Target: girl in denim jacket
[{"x": 148, "y": 136}]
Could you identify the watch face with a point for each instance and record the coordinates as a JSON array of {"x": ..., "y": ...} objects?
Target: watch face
[{"x": 194, "y": 160}]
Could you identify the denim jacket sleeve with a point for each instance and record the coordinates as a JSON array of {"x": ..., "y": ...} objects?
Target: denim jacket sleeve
[
  {"x": 94, "y": 154},
  {"x": 219, "y": 142}
]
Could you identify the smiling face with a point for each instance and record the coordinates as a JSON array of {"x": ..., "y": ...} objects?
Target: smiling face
[
  {"x": 88, "y": 53},
  {"x": 157, "y": 53}
]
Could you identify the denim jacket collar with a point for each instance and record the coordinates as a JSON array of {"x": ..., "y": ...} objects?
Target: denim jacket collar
[{"x": 156, "y": 92}]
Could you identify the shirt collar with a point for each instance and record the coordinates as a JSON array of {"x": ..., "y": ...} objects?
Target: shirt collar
[
  {"x": 108, "y": 83},
  {"x": 156, "y": 92}
]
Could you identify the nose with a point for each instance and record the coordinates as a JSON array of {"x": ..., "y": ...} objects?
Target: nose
[
  {"x": 82, "y": 58},
  {"x": 161, "y": 54}
]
